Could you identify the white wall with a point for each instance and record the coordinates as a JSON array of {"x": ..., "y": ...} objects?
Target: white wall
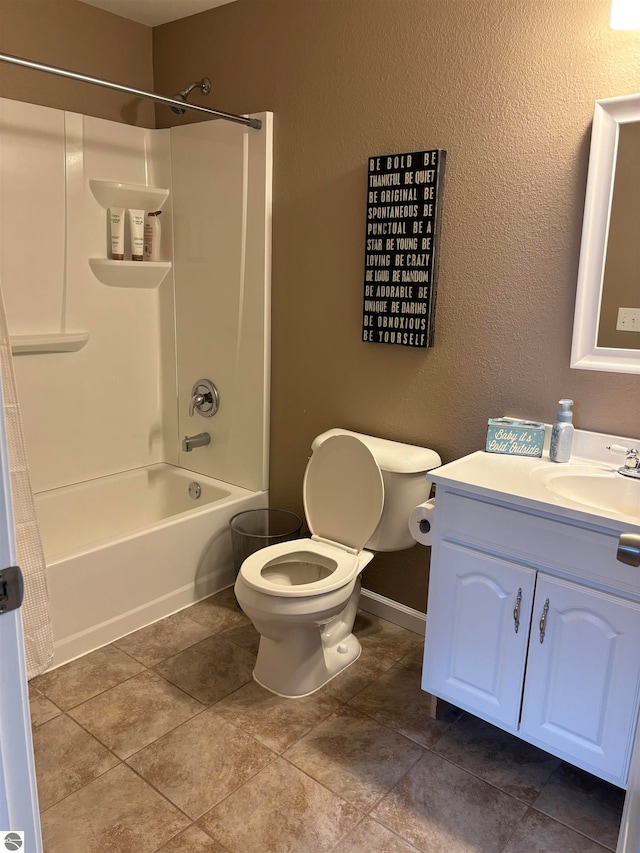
[
  {"x": 98, "y": 410},
  {"x": 113, "y": 405},
  {"x": 222, "y": 220},
  {"x": 32, "y": 160}
]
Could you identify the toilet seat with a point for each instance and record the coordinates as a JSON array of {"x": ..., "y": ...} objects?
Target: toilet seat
[
  {"x": 299, "y": 551},
  {"x": 343, "y": 501}
]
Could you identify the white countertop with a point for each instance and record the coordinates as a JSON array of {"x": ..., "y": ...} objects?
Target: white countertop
[{"x": 533, "y": 482}]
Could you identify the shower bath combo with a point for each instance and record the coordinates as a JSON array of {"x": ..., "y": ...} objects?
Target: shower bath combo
[{"x": 154, "y": 376}]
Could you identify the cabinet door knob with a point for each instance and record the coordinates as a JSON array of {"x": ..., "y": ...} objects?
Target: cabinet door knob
[
  {"x": 629, "y": 549},
  {"x": 543, "y": 620},
  {"x": 516, "y": 611}
]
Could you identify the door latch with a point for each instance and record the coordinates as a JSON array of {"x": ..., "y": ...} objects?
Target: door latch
[{"x": 11, "y": 589}]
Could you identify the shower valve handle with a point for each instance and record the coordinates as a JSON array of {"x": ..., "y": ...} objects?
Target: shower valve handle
[
  {"x": 205, "y": 399},
  {"x": 196, "y": 401}
]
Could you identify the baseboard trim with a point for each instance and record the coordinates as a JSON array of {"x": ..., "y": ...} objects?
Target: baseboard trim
[{"x": 393, "y": 611}]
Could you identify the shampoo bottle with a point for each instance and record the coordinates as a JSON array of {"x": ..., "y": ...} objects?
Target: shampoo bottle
[
  {"x": 136, "y": 225},
  {"x": 152, "y": 236},
  {"x": 562, "y": 433},
  {"x": 116, "y": 223}
]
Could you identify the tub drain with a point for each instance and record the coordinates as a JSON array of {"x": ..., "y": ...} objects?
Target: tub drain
[{"x": 194, "y": 490}]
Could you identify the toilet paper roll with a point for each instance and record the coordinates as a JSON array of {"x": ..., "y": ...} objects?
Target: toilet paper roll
[{"x": 421, "y": 522}]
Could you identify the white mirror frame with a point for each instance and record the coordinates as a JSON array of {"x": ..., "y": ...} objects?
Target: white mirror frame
[{"x": 609, "y": 114}]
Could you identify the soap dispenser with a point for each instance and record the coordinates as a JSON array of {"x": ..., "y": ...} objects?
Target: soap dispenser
[{"x": 562, "y": 433}]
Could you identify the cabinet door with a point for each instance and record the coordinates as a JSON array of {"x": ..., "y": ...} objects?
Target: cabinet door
[
  {"x": 477, "y": 631},
  {"x": 583, "y": 677}
]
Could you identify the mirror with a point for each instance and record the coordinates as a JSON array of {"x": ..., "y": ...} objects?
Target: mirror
[{"x": 609, "y": 269}]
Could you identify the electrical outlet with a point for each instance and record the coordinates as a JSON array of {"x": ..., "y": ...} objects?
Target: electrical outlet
[{"x": 628, "y": 320}]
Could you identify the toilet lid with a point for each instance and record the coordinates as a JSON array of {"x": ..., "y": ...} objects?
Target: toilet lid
[{"x": 343, "y": 492}]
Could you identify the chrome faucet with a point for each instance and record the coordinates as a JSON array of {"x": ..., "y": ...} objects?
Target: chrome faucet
[
  {"x": 199, "y": 440},
  {"x": 631, "y": 467}
]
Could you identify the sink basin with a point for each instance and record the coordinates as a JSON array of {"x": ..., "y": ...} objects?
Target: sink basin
[{"x": 598, "y": 488}]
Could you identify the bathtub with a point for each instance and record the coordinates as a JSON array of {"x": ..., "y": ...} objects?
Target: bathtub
[{"x": 125, "y": 550}]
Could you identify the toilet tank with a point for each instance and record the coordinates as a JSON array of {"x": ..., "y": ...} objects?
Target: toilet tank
[{"x": 403, "y": 468}]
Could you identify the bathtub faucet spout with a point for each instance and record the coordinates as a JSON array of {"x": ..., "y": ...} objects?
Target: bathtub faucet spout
[{"x": 191, "y": 441}]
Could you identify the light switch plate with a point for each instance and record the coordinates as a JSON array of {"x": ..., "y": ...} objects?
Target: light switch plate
[{"x": 628, "y": 320}]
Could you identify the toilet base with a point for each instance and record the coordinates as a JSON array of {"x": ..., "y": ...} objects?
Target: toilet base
[
  {"x": 298, "y": 656},
  {"x": 291, "y": 671}
]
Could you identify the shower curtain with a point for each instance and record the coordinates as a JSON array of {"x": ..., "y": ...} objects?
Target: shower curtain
[{"x": 38, "y": 636}]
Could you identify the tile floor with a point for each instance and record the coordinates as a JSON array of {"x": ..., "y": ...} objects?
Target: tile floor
[{"x": 162, "y": 742}]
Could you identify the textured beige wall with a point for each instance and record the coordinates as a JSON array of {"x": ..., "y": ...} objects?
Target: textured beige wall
[
  {"x": 507, "y": 87},
  {"x": 73, "y": 35}
]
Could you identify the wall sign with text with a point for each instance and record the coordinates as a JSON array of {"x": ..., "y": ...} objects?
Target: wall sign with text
[{"x": 402, "y": 240}]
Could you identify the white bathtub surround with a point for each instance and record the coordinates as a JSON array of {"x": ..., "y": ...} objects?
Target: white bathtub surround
[
  {"x": 221, "y": 178},
  {"x": 36, "y": 619},
  {"x": 146, "y": 346},
  {"x": 119, "y": 402}
]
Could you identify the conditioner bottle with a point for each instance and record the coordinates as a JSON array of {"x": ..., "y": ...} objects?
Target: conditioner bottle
[
  {"x": 152, "y": 236},
  {"x": 562, "y": 433}
]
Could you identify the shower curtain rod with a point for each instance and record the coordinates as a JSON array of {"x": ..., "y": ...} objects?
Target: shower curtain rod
[{"x": 140, "y": 93}]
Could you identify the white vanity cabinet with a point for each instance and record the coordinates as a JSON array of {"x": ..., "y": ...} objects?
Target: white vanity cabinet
[
  {"x": 583, "y": 670},
  {"x": 474, "y": 657},
  {"x": 534, "y": 626}
]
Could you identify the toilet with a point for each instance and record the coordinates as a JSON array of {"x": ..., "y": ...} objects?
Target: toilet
[{"x": 302, "y": 596}]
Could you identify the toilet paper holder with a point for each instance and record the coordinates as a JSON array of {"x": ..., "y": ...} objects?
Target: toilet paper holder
[
  {"x": 425, "y": 525},
  {"x": 421, "y": 522}
]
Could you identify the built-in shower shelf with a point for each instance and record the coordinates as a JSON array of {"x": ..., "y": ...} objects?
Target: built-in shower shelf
[
  {"x": 147, "y": 274},
  {"x": 65, "y": 342},
  {"x": 111, "y": 194}
]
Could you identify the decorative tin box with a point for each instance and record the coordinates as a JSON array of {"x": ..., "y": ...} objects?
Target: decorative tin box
[{"x": 514, "y": 437}]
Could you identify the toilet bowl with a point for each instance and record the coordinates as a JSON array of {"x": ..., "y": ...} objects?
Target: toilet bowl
[{"x": 302, "y": 596}]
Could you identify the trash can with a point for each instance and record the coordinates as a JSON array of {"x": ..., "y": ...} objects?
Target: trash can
[{"x": 256, "y": 528}]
